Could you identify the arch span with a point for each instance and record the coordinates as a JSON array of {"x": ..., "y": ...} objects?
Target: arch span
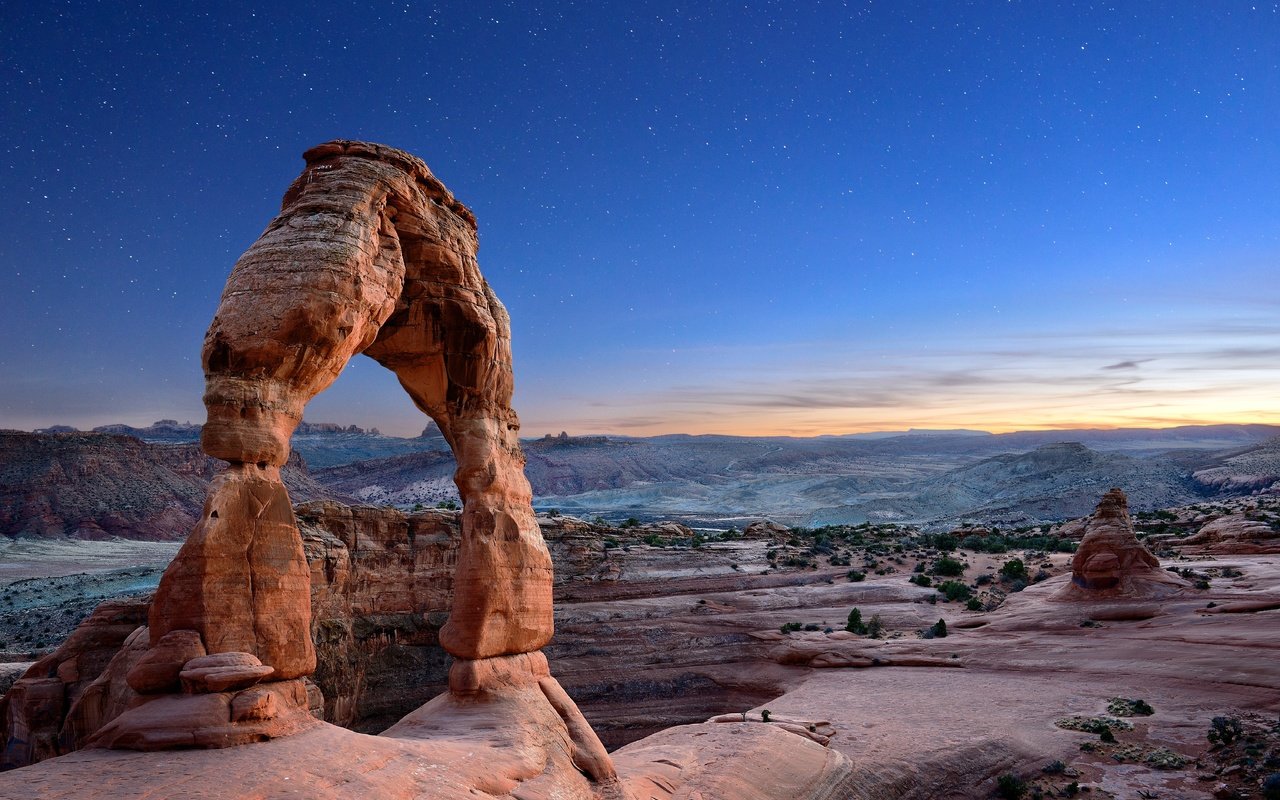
[{"x": 370, "y": 254}]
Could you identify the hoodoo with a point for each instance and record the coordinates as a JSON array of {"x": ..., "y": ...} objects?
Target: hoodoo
[{"x": 1111, "y": 562}]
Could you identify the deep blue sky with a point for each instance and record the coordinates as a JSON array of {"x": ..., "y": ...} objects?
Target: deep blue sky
[{"x": 759, "y": 217}]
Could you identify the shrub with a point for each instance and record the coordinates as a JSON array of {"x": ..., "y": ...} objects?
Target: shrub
[
  {"x": 948, "y": 567},
  {"x": 1124, "y": 707},
  {"x": 939, "y": 629},
  {"x": 875, "y": 628},
  {"x": 855, "y": 624},
  {"x": 921, "y": 580},
  {"x": 630, "y": 522},
  {"x": 1013, "y": 569},
  {"x": 1224, "y": 730},
  {"x": 1010, "y": 786},
  {"x": 954, "y": 590},
  {"x": 1107, "y": 736},
  {"x": 854, "y": 576},
  {"x": 813, "y": 626},
  {"x": 788, "y": 627},
  {"x": 974, "y": 604}
]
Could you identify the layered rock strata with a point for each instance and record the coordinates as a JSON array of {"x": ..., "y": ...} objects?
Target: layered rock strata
[{"x": 1111, "y": 562}]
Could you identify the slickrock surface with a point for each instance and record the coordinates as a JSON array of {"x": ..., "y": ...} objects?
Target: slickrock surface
[{"x": 1112, "y": 562}]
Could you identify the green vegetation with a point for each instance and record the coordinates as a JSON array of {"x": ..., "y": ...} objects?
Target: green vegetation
[
  {"x": 937, "y": 630},
  {"x": 955, "y": 590},
  {"x": 948, "y": 567},
  {"x": 1013, "y": 569},
  {"x": 875, "y": 628},
  {"x": 1224, "y": 730},
  {"x": 855, "y": 624},
  {"x": 1124, "y": 707},
  {"x": 1010, "y": 786}
]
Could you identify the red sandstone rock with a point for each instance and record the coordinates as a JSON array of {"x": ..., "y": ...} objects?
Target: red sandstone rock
[
  {"x": 372, "y": 254},
  {"x": 1111, "y": 562},
  {"x": 223, "y": 672},
  {"x": 157, "y": 671},
  {"x": 241, "y": 579},
  {"x": 38, "y": 720},
  {"x": 213, "y": 720}
]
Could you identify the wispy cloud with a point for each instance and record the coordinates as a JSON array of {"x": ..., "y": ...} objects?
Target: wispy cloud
[{"x": 1184, "y": 375}]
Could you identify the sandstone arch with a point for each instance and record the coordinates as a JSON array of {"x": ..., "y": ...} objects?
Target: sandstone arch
[{"x": 369, "y": 254}]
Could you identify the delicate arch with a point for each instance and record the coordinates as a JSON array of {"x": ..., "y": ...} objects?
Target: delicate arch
[{"x": 370, "y": 253}]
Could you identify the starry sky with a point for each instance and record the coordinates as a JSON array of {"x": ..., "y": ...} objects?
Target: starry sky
[{"x": 710, "y": 217}]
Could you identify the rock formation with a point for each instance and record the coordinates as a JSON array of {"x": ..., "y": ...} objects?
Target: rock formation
[
  {"x": 372, "y": 254},
  {"x": 1111, "y": 562},
  {"x": 369, "y": 254},
  {"x": 1234, "y": 534}
]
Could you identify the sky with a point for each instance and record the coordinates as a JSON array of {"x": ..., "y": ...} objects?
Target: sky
[{"x": 748, "y": 218}]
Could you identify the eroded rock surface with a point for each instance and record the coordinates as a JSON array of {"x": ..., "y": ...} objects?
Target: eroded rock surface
[
  {"x": 1110, "y": 560},
  {"x": 1235, "y": 534}
]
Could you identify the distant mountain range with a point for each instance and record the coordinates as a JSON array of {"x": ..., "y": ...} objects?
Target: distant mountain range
[
  {"x": 149, "y": 482},
  {"x": 938, "y": 478}
]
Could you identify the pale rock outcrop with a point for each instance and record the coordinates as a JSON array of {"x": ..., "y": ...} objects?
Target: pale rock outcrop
[
  {"x": 1110, "y": 561},
  {"x": 1234, "y": 534},
  {"x": 765, "y": 529}
]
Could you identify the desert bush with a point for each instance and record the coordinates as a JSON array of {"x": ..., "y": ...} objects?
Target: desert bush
[
  {"x": 875, "y": 628},
  {"x": 1224, "y": 730},
  {"x": 939, "y": 629},
  {"x": 855, "y": 624},
  {"x": 954, "y": 590},
  {"x": 1010, "y": 786},
  {"x": 1124, "y": 707},
  {"x": 855, "y": 576},
  {"x": 788, "y": 627},
  {"x": 948, "y": 567},
  {"x": 921, "y": 580},
  {"x": 1013, "y": 569},
  {"x": 974, "y": 604}
]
